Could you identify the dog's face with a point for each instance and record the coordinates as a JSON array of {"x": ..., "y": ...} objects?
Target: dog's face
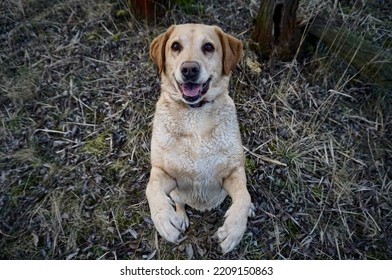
[{"x": 195, "y": 61}]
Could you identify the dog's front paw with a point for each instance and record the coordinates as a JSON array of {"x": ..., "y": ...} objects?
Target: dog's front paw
[
  {"x": 230, "y": 234},
  {"x": 169, "y": 224},
  {"x": 185, "y": 220}
]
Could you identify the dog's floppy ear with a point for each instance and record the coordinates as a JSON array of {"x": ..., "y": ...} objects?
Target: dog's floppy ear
[
  {"x": 157, "y": 49},
  {"x": 232, "y": 50}
]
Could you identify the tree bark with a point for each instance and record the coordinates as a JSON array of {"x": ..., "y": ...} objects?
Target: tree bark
[
  {"x": 149, "y": 10},
  {"x": 275, "y": 31}
]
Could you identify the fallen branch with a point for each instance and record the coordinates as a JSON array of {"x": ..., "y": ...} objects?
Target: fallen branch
[{"x": 371, "y": 62}]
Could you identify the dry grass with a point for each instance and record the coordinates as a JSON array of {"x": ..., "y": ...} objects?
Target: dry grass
[{"x": 77, "y": 97}]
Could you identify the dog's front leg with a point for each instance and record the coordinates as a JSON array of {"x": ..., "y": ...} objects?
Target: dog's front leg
[
  {"x": 168, "y": 223},
  {"x": 230, "y": 234}
]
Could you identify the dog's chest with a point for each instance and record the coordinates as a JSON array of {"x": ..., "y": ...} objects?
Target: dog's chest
[
  {"x": 198, "y": 146},
  {"x": 198, "y": 157}
]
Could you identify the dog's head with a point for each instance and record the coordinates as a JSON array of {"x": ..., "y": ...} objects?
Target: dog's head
[{"x": 195, "y": 61}]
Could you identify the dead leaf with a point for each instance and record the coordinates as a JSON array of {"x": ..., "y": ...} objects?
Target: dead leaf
[
  {"x": 253, "y": 65},
  {"x": 35, "y": 239},
  {"x": 189, "y": 251}
]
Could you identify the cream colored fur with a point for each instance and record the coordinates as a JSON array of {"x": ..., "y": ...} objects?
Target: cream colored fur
[{"x": 196, "y": 153}]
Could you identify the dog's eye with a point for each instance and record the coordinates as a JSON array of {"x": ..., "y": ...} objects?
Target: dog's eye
[
  {"x": 208, "y": 47},
  {"x": 176, "y": 46}
]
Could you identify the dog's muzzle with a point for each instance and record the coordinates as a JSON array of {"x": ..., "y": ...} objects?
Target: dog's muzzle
[{"x": 193, "y": 92}]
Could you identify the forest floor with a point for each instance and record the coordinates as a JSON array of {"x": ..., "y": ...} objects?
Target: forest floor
[{"x": 77, "y": 97}]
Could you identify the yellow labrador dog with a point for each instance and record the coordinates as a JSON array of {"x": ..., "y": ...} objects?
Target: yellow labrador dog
[{"x": 196, "y": 151}]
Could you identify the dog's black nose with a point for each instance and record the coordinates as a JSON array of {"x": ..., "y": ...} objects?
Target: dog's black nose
[{"x": 190, "y": 70}]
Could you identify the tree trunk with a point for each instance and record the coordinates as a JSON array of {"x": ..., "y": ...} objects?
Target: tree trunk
[
  {"x": 275, "y": 30},
  {"x": 149, "y": 10}
]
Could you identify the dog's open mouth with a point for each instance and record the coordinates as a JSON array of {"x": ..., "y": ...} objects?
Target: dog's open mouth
[{"x": 193, "y": 92}]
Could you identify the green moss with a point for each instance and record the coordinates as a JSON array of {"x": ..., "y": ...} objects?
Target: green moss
[
  {"x": 14, "y": 124},
  {"x": 93, "y": 35},
  {"x": 250, "y": 164},
  {"x": 118, "y": 165},
  {"x": 97, "y": 146},
  {"x": 293, "y": 228},
  {"x": 122, "y": 13},
  {"x": 317, "y": 192}
]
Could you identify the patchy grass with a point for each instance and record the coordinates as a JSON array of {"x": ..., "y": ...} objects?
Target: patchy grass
[{"x": 77, "y": 97}]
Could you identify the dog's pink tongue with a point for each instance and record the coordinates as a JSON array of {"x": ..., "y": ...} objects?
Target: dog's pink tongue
[{"x": 191, "y": 89}]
